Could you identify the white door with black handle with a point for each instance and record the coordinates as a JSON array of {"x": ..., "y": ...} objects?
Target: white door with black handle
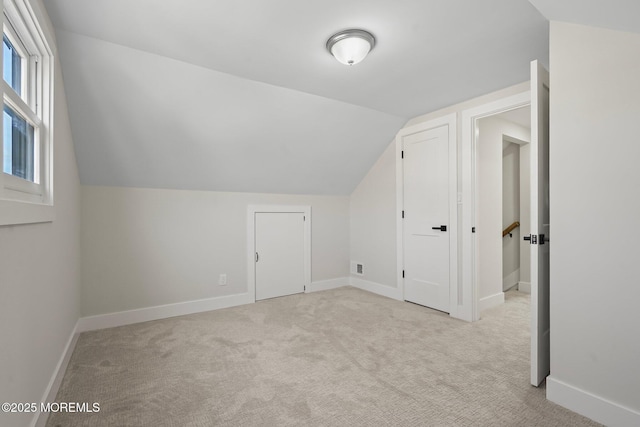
[{"x": 426, "y": 227}]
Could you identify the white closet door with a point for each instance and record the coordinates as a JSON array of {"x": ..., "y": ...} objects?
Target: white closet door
[
  {"x": 279, "y": 254},
  {"x": 426, "y": 218}
]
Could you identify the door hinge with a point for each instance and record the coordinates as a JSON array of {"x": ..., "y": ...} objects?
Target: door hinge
[
  {"x": 257, "y": 257},
  {"x": 402, "y": 214},
  {"x": 473, "y": 229},
  {"x": 403, "y": 274},
  {"x": 304, "y": 218},
  {"x": 402, "y": 154}
]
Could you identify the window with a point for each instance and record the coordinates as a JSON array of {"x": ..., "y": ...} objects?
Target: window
[{"x": 27, "y": 84}]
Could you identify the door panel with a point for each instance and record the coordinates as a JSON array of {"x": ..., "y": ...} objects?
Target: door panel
[
  {"x": 540, "y": 323},
  {"x": 280, "y": 254},
  {"x": 426, "y": 205}
]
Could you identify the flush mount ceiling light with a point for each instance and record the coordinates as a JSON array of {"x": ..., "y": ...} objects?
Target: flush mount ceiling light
[{"x": 351, "y": 46}]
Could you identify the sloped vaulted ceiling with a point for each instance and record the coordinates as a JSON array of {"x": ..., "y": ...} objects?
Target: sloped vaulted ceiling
[
  {"x": 241, "y": 95},
  {"x": 620, "y": 15}
]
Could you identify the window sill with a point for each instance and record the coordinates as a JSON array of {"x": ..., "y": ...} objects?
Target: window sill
[{"x": 14, "y": 212}]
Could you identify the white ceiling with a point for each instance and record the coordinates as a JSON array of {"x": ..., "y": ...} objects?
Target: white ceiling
[
  {"x": 621, "y": 15},
  {"x": 241, "y": 95}
]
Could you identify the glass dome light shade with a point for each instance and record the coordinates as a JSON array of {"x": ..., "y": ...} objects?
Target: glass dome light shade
[
  {"x": 351, "y": 46},
  {"x": 351, "y": 50}
]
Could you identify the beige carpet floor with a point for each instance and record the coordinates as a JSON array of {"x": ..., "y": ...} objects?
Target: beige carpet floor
[{"x": 342, "y": 357}]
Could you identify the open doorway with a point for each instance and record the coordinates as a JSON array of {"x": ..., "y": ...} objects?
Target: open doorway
[
  {"x": 539, "y": 237},
  {"x": 503, "y": 196}
]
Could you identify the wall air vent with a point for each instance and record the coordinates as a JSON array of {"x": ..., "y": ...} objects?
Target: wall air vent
[{"x": 357, "y": 268}]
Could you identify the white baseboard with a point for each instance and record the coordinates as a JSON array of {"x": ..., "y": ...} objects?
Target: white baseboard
[
  {"x": 511, "y": 279},
  {"x": 40, "y": 418},
  {"x": 325, "y": 285},
  {"x": 524, "y": 287},
  {"x": 129, "y": 317},
  {"x": 376, "y": 288},
  {"x": 491, "y": 301},
  {"x": 591, "y": 406}
]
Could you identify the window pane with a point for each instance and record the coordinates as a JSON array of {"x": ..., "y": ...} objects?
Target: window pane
[
  {"x": 17, "y": 145},
  {"x": 12, "y": 65}
]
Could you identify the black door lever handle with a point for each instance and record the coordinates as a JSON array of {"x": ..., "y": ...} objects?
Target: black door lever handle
[{"x": 441, "y": 228}]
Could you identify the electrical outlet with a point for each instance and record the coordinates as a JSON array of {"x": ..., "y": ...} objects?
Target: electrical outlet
[{"x": 222, "y": 280}]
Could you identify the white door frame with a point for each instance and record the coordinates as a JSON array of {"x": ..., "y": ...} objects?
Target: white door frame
[
  {"x": 470, "y": 295},
  {"x": 450, "y": 121},
  {"x": 252, "y": 210}
]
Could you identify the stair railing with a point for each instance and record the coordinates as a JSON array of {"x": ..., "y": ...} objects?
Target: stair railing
[{"x": 510, "y": 228}]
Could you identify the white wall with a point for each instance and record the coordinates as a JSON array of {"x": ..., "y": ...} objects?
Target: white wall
[
  {"x": 489, "y": 223},
  {"x": 510, "y": 213},
  {"x": 489, "y": 206},
  {"x": 594, "y": 175},
  {"x": 372, "y": 219},
  {"x": 149, "y": 247},
  {"x": 40, "y": 278}
]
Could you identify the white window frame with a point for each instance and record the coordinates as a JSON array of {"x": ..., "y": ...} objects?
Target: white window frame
[{"x": 22, "y": 201}]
